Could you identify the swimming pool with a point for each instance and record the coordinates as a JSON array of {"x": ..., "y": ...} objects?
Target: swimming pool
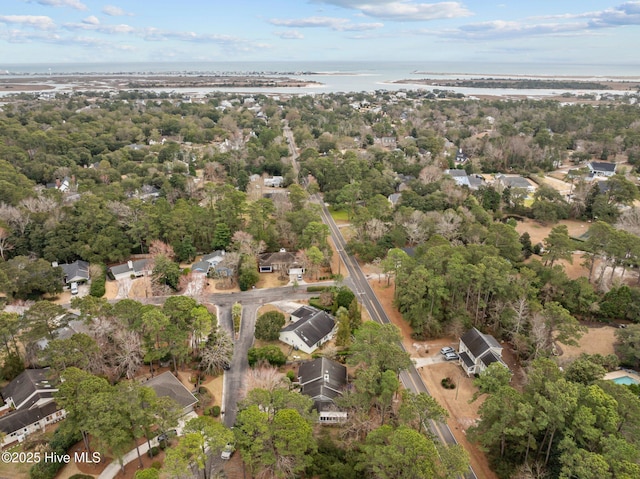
[{"x": 626, "y": 380}]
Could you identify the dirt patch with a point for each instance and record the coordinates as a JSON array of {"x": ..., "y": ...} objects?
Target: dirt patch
[
  {"x": 597, "y": 340},
  {"x": 539, "y": 232}
]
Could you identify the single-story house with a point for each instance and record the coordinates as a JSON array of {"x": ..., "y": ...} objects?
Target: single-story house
[
  {"x": 309, "y": 333},
  {"x": 30, "y": 405},
  {"x": 459, "y": 176},
  {"x": 281, "y": 261},
  {"x": 75, "y": 272},
  {"x": 166, "y": 384},
  {"x": 274, "y": 181},
  {"x": 323, "y": 380},
  {"x": 515, "y": 181},
  {"x": 135, "y": 268},
  {"x": 211, "y": 262},
  {"x": 477, "y": 351},
  {"x": 601, "y": 168}
]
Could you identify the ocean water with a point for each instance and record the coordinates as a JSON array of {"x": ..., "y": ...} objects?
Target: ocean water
[{"x": 339, "y": 76}]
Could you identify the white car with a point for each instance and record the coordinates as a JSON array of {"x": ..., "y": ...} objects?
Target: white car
[
  {"x": 227, "y": 452},
  {"x": 446, "y": 350},
  {"x": 74, "y": 288}
]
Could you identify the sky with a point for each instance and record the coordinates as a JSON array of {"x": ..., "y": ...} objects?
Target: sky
[{"x": 526, "y": 31}]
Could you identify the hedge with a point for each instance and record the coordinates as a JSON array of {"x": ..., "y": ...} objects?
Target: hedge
[{"x": 98, "y": 285}]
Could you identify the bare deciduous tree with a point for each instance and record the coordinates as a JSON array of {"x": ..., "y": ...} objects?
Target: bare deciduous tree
[
  {"x": 127, "y": 356},
  {"x": 217, "y": 353}
]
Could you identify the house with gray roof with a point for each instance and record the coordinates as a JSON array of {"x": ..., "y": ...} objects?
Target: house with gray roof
[
  {"x": 477, "y": 351},
  {"x": 459, "y": 176},
  {"x": 515, "y": 181},
  {"x": 166, "y": 384},
  {"x": 75, "y": 272},
  {"x": 310, "y": 332},
  {"x": 136, "y": 268},
  {"x": 30, "y": 405},
  {"x": 323, "y": 380},
  {"x": 212, "y": 263}
]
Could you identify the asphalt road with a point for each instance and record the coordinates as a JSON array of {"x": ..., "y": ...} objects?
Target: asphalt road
[
  {"x": 251, "y": 301},
  {"x": 410, "y": 377}
]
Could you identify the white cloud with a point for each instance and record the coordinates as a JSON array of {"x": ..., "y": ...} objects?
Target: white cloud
[
  {"x": 63, "y": 3},
  {"x": 114, "y": 11},
  {"x": 570, "y": 24},
  {"x": 338, "y": 24},
  {"x": 404, "y": 10},
  {"x": 36, "y": 21},
  {"x": 98, "y": 27},
  {"x": 91, "y": 20},
  {"x": 290, "y": 35}
]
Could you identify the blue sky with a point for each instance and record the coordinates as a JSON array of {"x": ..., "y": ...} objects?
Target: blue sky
[{"x": 536, "y": 31}]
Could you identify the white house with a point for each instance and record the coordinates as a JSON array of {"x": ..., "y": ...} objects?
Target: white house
[
  {"x": 30, "y": 405},
  {"x": 601, "y": 168},
  {"x": 477, "y": 351},
  {"x": 274, "y": 181},
  {"x": 135, "y": 268},
  {"x": 459, "y": 176},
  {"x": 311, "y": 331}
]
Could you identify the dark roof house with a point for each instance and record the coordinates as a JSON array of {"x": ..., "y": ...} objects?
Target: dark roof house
[
  {"x": 602, "y": 168},
  {"x": 76, "y": 271},
  {"x": 30, "y": 395},
  {"x": 477, "y": 351},
  {"x": 323, "y": 380},
  {"x": 166, "y": 384},
  {"x": 310, "y": 333}
]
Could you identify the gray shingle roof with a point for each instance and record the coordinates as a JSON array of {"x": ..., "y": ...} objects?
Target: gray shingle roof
[
  {"x": 166, "y": 384},
  {"x": 479, "y": 343},
  {"x": 322, "y": 379},
  {"x": 603, "y": 166},
  {"x": 76, "y": 271},
  {"x": 312, "y": 329},
  {"x": 20, "y": 419},
  {"x": 28, "y": 382},
  {"x": 304, "y": 312},
  {"x": 138, "y": 265}
]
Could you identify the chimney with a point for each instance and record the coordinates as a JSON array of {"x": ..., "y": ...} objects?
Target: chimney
[
  {"x": 54, "y": 264},
  {"x": 130, "y": 264}
]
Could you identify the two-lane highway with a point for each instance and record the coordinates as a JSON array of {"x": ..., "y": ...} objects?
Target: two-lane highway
[{"x": 410, "y": 377}]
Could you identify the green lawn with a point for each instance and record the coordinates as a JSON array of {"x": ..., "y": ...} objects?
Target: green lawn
[{"x": 339, "y": 215}]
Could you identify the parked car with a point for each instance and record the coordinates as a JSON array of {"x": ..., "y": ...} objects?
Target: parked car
[
  {"x": 74, "y": 288},
  {"x": 228, "y": 451},
  {"x": 446, "y": 350},
  {"x": 451, "y": 356}
]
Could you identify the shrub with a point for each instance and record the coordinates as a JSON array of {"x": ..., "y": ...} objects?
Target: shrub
[
  {"x": 156, "y": 465},
  {"x": 154, "y": 451},
  {"x": 215, "y": 411},
  {"x": 314, "y": 289},
  {"x": 81, "y": 476},
  {"x": 268, "y": 326},
  {"x": 98, "y": 288},
  {"x": 272, "y": 354},
  {"x": 447, "y": 383},
  {"x": 291, "y": 375}
]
